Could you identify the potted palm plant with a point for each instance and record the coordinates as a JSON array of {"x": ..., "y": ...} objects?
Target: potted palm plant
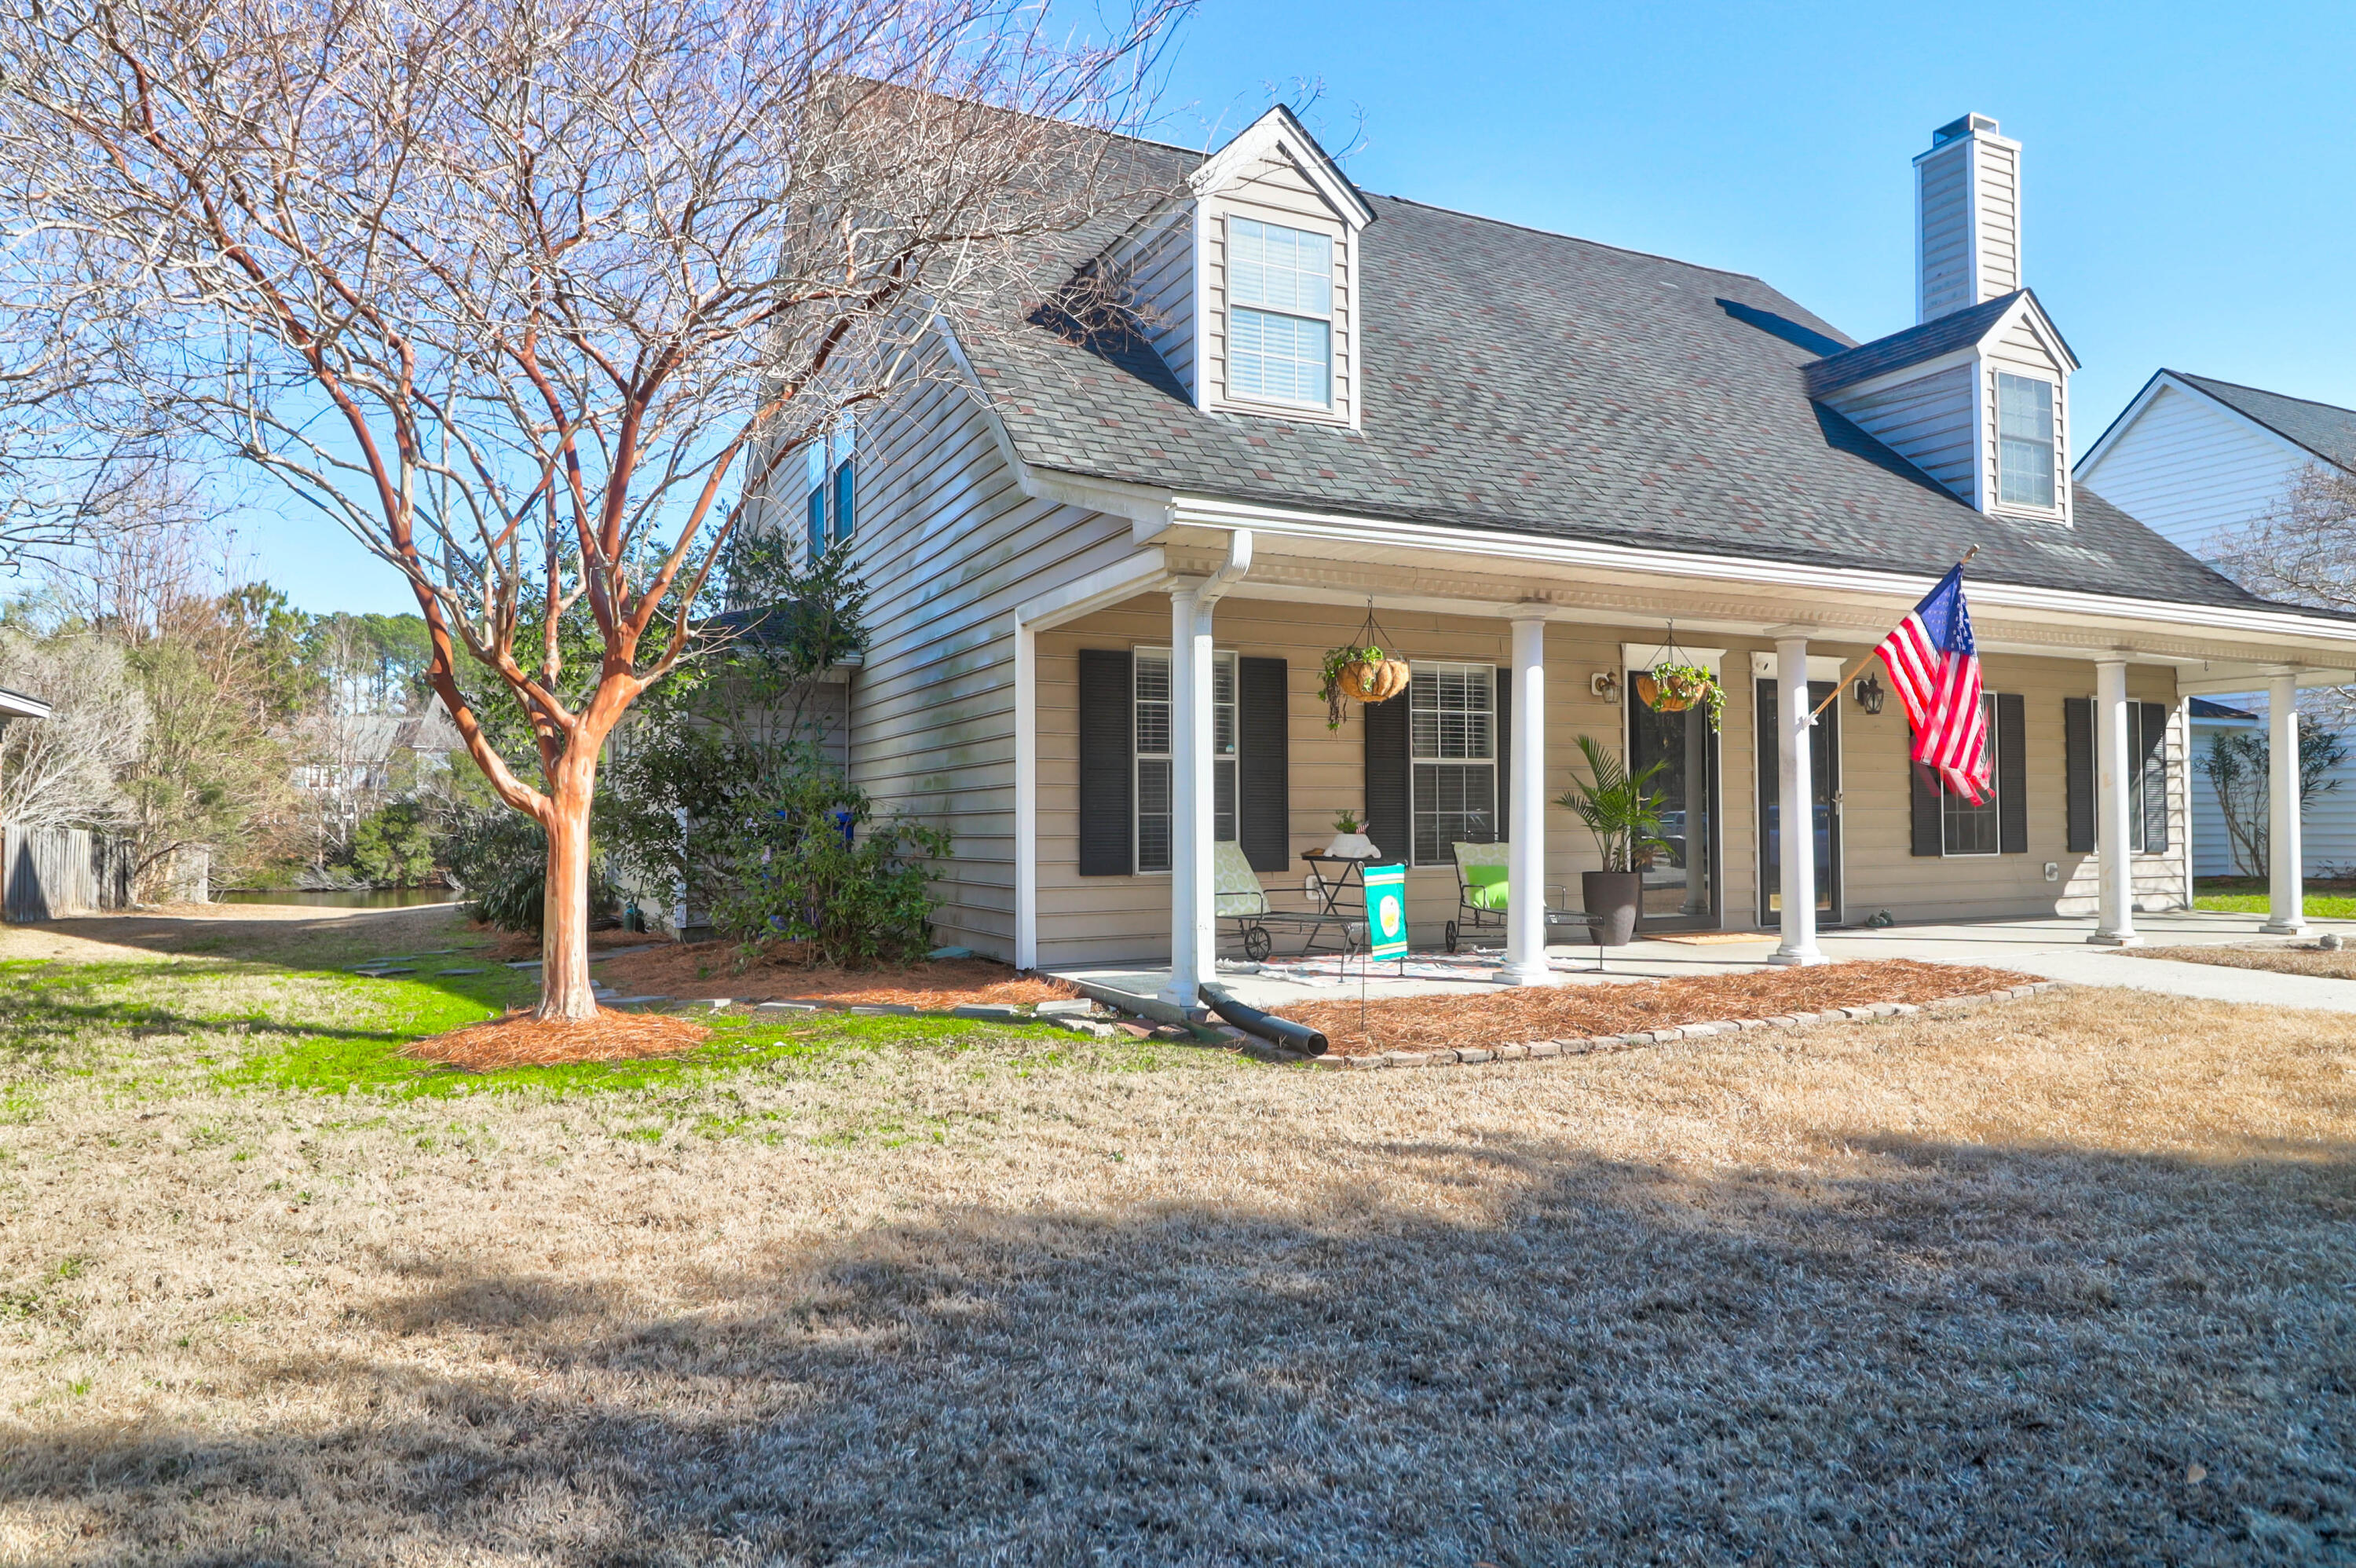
[{"x": 1623, "y": 812}]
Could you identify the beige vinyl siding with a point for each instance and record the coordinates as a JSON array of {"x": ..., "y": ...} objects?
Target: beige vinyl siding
[
  {"x": 1945, "y": 240},
  {"x": 1160, "y": 275},
  {"x": 950, "y": 545},
  {"x": 2194, "y": 471},
  {"x": 1928, "y": 421},
  {"x": 1998, "y": 171},
  {"x": 1877, "y": 821},
  {"x": 1275, "y": 190}
]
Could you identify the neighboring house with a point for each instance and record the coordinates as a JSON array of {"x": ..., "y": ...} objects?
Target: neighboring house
[
  {"x": 2327, "y": 825},
  {"x": 2199, "y": 460},
  {"x": 2196, "y": 459},
  {"x": 1541, "y": 460},
  {"x": 354, "y": 763}
]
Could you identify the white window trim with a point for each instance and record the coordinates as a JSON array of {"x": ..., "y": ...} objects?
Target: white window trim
[
  {"x": 1227, "y": 221},
  {"x": 2061, "y": 479},
  {"x": 1496, "y": 807},
  {"x": 1136, "y": 756}
]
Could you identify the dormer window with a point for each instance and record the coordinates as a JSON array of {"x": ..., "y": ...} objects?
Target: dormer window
[
  {"x": 2024, "y": 411},
  {"x": 1279, "y": 313}
]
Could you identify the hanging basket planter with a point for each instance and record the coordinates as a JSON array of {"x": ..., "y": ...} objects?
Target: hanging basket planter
[
  {"x": 1373, "y": 679},
  {"x": 1674, "y": 685},
  {"x": 1361, "y": 671}
]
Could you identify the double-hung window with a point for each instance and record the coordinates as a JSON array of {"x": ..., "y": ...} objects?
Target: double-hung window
[
  {"x": 831, "y": 471},
  {"x": 1279, "y": 313},
  {"x": 2024, "y": 412},
  {"x": 1154, "y": 721},
  {"x": 1966, "y": 829},
  {"x": 1451, "y": 723}
]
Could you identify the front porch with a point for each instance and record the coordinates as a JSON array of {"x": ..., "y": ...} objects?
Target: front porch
[
  {"x": 2053, "y": 947},
  {"x": 1169, "y": 702}
]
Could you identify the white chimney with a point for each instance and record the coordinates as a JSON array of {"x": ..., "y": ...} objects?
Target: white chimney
[{"x": 1967, "y": 218}]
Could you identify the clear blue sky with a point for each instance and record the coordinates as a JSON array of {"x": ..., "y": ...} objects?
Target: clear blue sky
[{"x": 2189, "y": 170}]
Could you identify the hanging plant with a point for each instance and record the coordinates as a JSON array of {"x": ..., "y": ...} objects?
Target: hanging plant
[
  {"x": 1674, "y": 687},
  {"x": 1360, "y": 671}
]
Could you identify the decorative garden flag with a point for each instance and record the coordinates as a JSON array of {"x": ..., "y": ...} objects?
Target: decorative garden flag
[
  {"x": 1935, "y": 666},
  {"x": 1385, "y": 911}
]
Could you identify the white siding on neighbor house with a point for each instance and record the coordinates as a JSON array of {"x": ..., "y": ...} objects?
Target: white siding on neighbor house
[
  {"x": 2327, "y": 826},
  {"x": 1275, "y": 191},
  {"x": 2194, "y": 471},
  {"x": 1160, "y": 277},
  {"x": 950, "y": 545},
  {"x": 1928, "y": 421}
]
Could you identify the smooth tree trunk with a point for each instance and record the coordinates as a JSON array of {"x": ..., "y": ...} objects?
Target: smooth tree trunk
[{"x": 565, "y": 990}]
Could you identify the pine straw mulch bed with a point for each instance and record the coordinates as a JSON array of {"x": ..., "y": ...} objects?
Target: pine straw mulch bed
[
  {"x": 517, "y": 1040},
  {"x": 1563, "y": 1012},
  {"x": 2303, "y": 958},
  {"x": 709, "y": 969}
]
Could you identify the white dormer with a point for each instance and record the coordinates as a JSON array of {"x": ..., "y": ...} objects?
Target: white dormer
[
  {"x": 1976, "y": 395},
  {"x": 1966, "y": 217},
  {"x": 1247, "y": 285}
]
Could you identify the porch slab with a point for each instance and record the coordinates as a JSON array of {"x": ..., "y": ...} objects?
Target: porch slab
[{"x": 2052, "y": 947}]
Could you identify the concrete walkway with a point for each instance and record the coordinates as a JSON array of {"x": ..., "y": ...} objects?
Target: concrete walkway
[{"x": 2051, "y": 947}]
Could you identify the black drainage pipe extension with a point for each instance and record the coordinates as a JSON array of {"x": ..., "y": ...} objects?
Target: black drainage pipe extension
[{"x": 1268, "y": 1026}]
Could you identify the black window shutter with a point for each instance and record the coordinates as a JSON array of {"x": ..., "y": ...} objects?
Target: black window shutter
[
  {"x": 2078, "y": 772},
  {"x": 2151, "y": 775},
  {"x": 1263, "y": 767},
  {"x": 1930, "y": 830},
  {"x": 1386, "y": 808},
  {"x": 2011, "y": 774},
  {"x": 1108, "y": 763},
  {"x": 1504, "y": 683}
]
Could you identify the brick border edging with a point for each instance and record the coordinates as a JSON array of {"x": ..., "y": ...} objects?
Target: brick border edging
[{"x": 1590, "y": 1045}]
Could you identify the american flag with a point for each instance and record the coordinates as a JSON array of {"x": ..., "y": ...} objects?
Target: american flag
[{"x": 1936, "y": 668}]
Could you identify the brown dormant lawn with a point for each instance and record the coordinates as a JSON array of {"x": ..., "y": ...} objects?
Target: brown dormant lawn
[{"x": 2064, "y": 1279}]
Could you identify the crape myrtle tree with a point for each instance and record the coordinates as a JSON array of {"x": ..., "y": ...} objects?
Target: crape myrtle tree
[{"x": 529, "y": 295}]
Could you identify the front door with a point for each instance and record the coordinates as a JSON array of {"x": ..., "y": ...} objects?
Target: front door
[
  {"x": 1681, "y": 884},
  {"x": 1824, "y": 769}
]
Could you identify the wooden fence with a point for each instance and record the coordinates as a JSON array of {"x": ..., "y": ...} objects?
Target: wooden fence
[{"x": 49, "y": 873}]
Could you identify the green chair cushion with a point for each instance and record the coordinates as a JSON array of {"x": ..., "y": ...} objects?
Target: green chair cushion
[{"x": 1484, "y": 886}]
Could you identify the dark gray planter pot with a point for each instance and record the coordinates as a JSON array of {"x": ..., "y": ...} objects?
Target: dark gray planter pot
[{"x": 1612, "y": 897}]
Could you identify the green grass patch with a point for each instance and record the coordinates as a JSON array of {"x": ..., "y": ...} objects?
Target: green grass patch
[{"x": 2320, "y": 906}]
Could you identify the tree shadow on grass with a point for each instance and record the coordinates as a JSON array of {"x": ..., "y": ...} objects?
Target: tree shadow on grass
[{"x": 1946, "y": 1354}]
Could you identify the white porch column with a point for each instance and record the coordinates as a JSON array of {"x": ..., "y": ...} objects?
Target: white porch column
[
  {"x": 2115, "y": 862},
  {"x": 1191, "y": 907},
  {"x": 2286, "y": 891},
  {"x": 1796, "y": 806},
  {"x": 1026, "y": 794},
  {"x": 1526, "y": 962}
]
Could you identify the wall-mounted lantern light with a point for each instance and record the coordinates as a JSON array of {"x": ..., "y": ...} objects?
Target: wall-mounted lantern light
[
  {"x": 1605, "y": 685},
  {"x": 1868, "y": 692}
]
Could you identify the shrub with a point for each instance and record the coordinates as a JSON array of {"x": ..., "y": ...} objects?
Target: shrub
[
  {"x": 392, "y": 846},
  {"x": 499, "y": 857},
  {"x": 801, "y": 859}
]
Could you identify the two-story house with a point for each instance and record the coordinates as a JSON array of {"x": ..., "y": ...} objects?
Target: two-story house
[{"x": 1106, "y": 578}]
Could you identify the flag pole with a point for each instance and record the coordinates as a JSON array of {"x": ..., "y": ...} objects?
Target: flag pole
[{"x": 1858, "y": 669}]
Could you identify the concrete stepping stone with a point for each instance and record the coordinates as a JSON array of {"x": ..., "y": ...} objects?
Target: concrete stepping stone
[
  {"x": 462, "y": 971},
  {"x": 384, "y": 972},
  {"x": 986, "y": 1010},
  {"x": 631, "y": 1001},
  {"x": 787, "y": 1007},
  {"x": 882, "y": 1010},
  {"x": 1066, "y": 1008}
]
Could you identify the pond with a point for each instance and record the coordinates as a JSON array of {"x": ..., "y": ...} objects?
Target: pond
[{"x": 340, "y": 897}]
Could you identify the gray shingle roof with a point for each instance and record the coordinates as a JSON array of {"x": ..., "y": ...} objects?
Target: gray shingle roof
[
  {"x": 1532, "y": 383},
  {"x": 1944, "y": 335},
  {"x": 2324, "y": 429}
]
